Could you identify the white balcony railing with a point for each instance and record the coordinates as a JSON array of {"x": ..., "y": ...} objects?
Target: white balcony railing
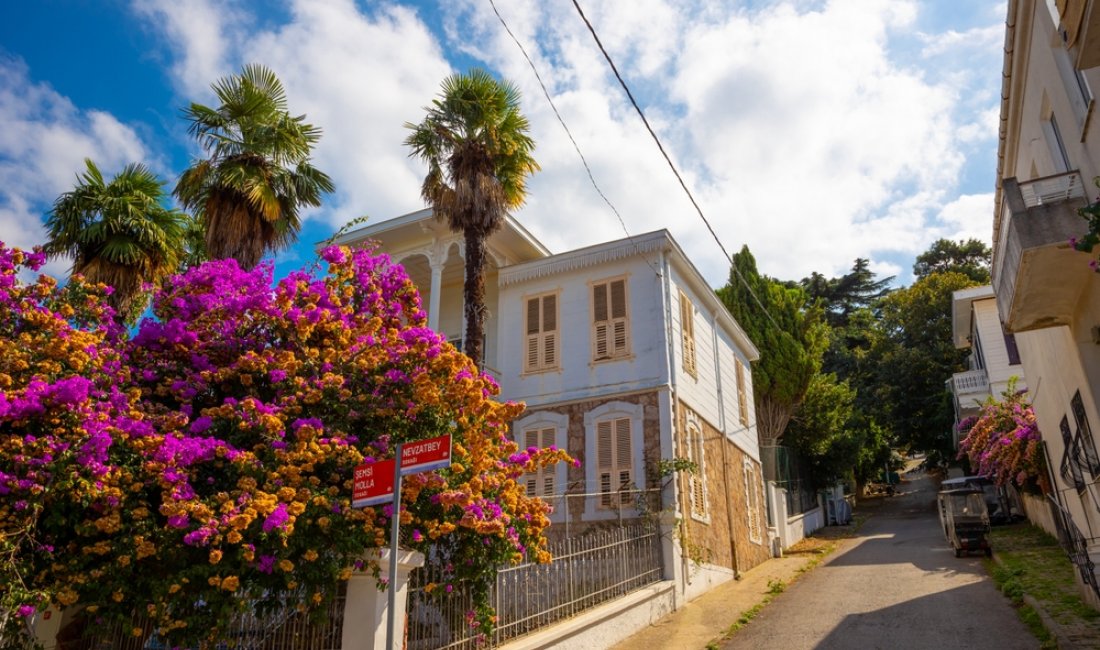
[
  {"x": 1052, "y": 189},
  {"x": 970, "y": 382}
]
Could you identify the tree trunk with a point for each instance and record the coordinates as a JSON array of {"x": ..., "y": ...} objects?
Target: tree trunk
[
  {"x": 772, "y": 418},
  {"x": 473, "y": 294}
]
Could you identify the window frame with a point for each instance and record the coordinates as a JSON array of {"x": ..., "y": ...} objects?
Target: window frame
[
  {"x": 613, "y": 352},
  {"x": 689, "y": 362},
  {"x": 559, "y": 422},
  {"x": 742, "y": 391},
  {"x": 594, "y": 508},
  {"x": 753, "y": 498},
  {"x": 540, "y": 338},
  {"x": 699, "y": 497}
]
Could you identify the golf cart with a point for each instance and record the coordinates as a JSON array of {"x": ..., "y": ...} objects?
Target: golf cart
[{"x": 965, "y": 520}]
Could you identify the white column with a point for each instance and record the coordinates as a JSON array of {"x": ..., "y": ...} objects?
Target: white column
[
  {"x": 433, "y": 296},
  {"x": 367, "y": 606}
]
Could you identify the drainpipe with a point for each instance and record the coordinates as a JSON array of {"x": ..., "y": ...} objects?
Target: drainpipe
[
  {"x": 670, "y": 368},
  {"x": 724, "y": 441}
]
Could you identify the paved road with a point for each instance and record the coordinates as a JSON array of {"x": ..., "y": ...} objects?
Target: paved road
[{"x": 898, "y": 587}]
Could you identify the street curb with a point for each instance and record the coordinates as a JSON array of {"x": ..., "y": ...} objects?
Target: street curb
[{"x": 1052, "y": 626}]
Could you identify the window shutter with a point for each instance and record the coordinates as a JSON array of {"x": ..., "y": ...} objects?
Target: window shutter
[
  {"x": 742, "y": 394},
  {"x": 599, "y": 303},
  {"x": 618, "y": 299},
  {"x": 601, "y": 341},
  {"x": 623, "y": 454},
  {"x": 687, "y": 328},
  {"x": 604, "y": 462},
  {"x": 549, "y": 331},
  {"x": 698, "y": 489},
  {"x": 541, "y": 345},
  {"x": 609, "y": 330},
  {"x": 752, "y": 502},
  {"x": 539, "y": 483}
]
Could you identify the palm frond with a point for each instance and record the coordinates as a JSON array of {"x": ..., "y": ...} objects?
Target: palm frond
[{"x": 257, "y": 171}]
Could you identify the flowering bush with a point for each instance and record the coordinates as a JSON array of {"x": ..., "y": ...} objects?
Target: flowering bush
[
  {"x": 1091, "y": 214},
  {"x": 1004, "y": 443},
  {"x": 207, "y": 462}
]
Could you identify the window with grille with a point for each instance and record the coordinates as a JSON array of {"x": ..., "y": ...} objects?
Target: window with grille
[
  {"x": 610, "y": 325},
  {"x": 697, "y": 480},
  {"x": 541, "y": 340},
  {"x": 613, "y": 461},
  {"x": 541, "y": 482},
  {"x": 742, "y": 394},
  {"x": 687, "y": 333},
  {"x": 752, "y": 502}
]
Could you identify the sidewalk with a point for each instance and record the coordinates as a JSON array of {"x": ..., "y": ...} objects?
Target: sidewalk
[{"x": 708, "y": 617}]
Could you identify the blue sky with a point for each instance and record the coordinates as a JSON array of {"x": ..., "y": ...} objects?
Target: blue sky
[{"x": 815, "y": 132}]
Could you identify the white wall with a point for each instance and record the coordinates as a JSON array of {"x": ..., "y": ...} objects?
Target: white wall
[
  {"x": 994, "y": 352},
  {"x": 577, "y": 376},
  {"x": 1052, "y": 365},
  {"x": 712, "y": 393}
]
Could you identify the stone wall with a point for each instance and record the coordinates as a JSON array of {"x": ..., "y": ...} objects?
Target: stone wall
[
  {"x": 575, "y": 445},
  {"x": 709, "y": 540}
]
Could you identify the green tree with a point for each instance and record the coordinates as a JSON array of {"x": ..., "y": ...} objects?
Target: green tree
[
  {"x": 840, "y": 297},
  {"x": 257, "y": 173},
  {"x": 118, "y": 232},
  {"x": 821, "y": 430},
  {"x": 913, "y": 357},
  {"x": 476, "y": 144},
  {"x": 789, "y": 331},
  {"x": 970, "y": 258}
]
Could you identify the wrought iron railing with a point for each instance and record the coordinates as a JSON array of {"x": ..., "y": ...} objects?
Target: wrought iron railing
[
  {"x": 1075, "y": 544},
  {"x": 284, "y": 629},
  {"x": 586, "y": 571}
]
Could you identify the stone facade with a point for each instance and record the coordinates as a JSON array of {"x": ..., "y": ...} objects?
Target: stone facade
[
  {"x": 724, "y": 531},
  {"x": 570, "y": 513}
]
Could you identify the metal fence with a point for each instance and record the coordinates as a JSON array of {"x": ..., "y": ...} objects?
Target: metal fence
[
  {"x": 1075, "y": 544},
  {"x": 782, "y": 466},
  {"x": 586, "y": 571},
  {"x": 284, "y": 629}
]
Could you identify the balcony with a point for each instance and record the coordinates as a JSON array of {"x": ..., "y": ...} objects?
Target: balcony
[
  {"x": 1037, "y": 276},
  {"x": 969, "y": 388}
]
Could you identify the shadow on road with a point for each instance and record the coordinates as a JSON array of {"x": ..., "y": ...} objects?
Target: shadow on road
[{"x": 941, "y": 620}]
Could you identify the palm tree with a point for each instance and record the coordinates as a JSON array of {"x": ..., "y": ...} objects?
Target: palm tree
[
  {"x": 257, "y": 172},
  {"x": 475, "y": 142},
  {"x": 118, "y": 233}
]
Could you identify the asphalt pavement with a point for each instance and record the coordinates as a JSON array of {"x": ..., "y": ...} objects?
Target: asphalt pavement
[{"x": 897, "y": 586}]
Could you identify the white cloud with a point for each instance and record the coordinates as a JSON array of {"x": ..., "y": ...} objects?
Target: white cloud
[
  {"x": 799, "y": 126},
  {"x": 201, "y": 33},
  {"x": 359, "y": 77},
  {"x": 967, "y": 217},
  {"x": 42, "y": 148}
]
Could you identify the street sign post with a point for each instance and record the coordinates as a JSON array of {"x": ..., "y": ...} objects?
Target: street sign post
[{"x": 381, "y": 481}]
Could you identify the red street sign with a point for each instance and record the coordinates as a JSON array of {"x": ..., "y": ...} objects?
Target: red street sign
[
  {"x": 424, "y": 455},
  {"x": 373, "y": 483}
]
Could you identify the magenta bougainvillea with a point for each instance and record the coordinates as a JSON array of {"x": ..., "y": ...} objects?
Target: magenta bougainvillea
[
  {"x": 1091, "y": 238},
  {"x": 1003, "y": 442},
  {"x": 205, "y": 464}
]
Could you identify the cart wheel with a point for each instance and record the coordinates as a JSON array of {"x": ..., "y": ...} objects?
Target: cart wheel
[
  {"x": 958, "y": 552},
  {"x": 989, "y": 552}
]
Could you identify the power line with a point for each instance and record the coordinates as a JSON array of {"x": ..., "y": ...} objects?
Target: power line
[
  {"x": 569, "y": 133},
  {"x": 660, "y": 146}
]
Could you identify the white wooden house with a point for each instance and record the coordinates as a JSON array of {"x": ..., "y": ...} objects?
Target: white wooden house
[
  {"x": 625, "y": 357},
  {"x": 994, "y": 359}
]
